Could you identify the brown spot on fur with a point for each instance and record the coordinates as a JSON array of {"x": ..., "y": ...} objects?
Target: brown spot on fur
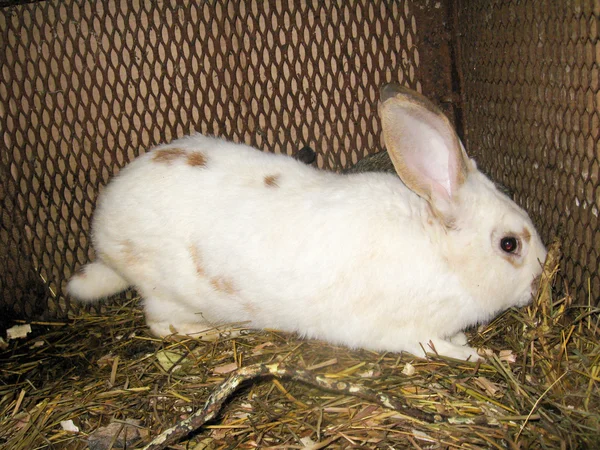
[
  {"x": 526, "y": 235},
  {"x": 197, "y": 260},
  {"x": 514, "y": 261},
  {"x": 196, "y": 159},
  {"x": 222, "y": 285},
  {"x": 168, "y": 155},
  {"x": 271, "y": 180}
]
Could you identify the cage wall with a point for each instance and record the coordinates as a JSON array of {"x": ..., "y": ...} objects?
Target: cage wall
[
  {"x": 529, "y": 74},
  {"x": 87, "y": 86}
]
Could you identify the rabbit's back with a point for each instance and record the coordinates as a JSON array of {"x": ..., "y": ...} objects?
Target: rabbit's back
[{"x": 240, "y": 235}]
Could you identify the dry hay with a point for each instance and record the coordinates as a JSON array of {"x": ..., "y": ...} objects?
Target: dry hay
[{"x": 538, "y": 387}]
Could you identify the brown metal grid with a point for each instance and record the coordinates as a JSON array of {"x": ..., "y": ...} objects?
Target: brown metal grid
[
  {"x": 530, "y": 73},
  {"x": 86, "y": 86}
]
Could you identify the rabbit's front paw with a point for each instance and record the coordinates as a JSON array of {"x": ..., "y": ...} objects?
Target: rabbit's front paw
[{"x": 453, "y": 350}]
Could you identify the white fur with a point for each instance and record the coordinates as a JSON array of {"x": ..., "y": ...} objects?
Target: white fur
[
  {"x": 96, "y": 280},
  {"x": 355, "y": 259}
]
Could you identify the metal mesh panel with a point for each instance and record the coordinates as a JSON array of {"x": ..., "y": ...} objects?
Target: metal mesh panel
[
  {"x": 532, "y": 114},
  {"x": 86, "y": 86}
]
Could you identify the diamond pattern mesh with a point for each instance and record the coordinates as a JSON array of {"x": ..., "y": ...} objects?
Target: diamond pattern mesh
[
  {"x": 530, "y": 74},
  {"x": 86, "y": 86}
]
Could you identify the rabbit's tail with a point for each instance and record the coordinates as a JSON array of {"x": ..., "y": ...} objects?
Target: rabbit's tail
[{"x": 96, "y": 281}]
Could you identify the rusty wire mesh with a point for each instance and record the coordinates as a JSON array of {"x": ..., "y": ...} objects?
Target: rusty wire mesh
[
  {"x": 87, "y": 86},
  {"x": 530, "y": 73}
]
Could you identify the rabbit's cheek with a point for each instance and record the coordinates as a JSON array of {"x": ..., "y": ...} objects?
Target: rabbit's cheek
[{"x": 513, "y": 260}]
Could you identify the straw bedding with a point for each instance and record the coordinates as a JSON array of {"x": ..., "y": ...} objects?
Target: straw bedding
[{"x": 101, "y": 381}]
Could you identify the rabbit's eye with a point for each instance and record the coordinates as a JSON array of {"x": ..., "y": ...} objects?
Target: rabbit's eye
[{"x": 509, "y": 244}]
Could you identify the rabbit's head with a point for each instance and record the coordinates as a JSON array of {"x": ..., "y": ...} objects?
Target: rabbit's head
[{"x": 488, "y": 241}]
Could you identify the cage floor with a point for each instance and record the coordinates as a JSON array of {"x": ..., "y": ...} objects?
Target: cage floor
[{"x": 101, "y": 381}]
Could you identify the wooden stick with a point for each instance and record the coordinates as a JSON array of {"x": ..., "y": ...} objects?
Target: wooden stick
[{"x": 224, "y": 390}]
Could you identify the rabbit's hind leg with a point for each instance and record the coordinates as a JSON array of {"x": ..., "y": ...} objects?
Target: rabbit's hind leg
[{"x": 165, "y": 317}]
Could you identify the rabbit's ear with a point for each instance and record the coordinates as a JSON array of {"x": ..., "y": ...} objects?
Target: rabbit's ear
[{"x": 422, "y": 144}]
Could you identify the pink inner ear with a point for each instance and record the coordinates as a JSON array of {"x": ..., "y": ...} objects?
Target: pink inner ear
[{"x": 428, "y": 154}]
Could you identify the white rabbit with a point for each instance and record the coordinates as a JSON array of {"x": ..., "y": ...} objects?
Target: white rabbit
[{"x": 212, "y": 232}]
